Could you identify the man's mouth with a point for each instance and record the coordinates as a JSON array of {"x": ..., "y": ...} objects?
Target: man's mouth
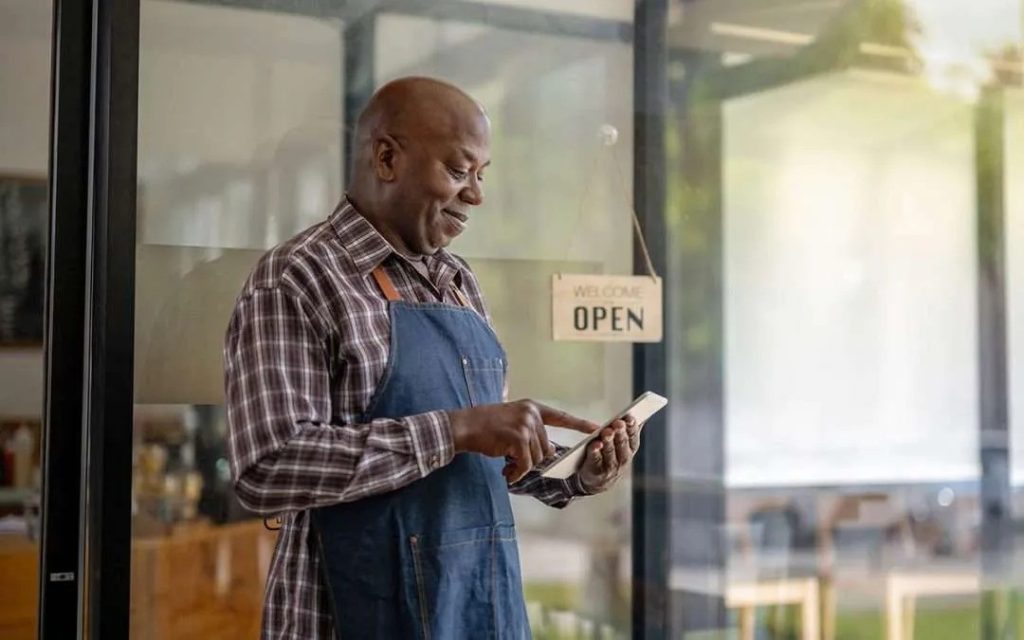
[{"x": 458, "y": 218}]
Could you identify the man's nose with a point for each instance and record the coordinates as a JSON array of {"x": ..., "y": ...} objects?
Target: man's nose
[{"x": 473, "y": 194}]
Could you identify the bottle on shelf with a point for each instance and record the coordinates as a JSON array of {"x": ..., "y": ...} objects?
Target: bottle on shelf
[{"x": 23, "y": 445}]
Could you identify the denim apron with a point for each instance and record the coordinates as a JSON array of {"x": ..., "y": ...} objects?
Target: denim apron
[{"x": 436, "y": 559}]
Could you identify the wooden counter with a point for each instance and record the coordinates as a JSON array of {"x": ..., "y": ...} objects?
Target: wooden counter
[
  {"x": 19, "y": 587},
  {"x": 202, "y": 581}
]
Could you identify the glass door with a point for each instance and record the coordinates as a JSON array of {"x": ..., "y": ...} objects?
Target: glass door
[
  {"x": 240, "y": 148},
  {"x": 244, "y": 117},
  {"x": 25, "y": 44}
]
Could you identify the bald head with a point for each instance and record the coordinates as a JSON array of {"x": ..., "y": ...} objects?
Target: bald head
[
  {"x": 416, "y": 110},
  {"x": 420, "y": 149}
]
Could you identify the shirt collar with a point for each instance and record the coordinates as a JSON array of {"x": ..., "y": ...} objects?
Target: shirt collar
[{"x": 368, "y": 248}]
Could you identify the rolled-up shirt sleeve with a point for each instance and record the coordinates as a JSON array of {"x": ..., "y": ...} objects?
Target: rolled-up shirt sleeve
[
  {"x": 284, "y": 451},
  {"x": 551, "y": 491}
]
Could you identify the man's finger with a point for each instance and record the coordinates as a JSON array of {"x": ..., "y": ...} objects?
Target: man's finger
[
  {"x": 611, "y": 461},
  {"x": 596, "y": 460},
  {"x": 546, "y": 449},
  {"x": 622, "y": 450},
  {"x": 559, "y": 418},
  {"x": 536, "y": 448},
  {"x": 522, "y": 461}
]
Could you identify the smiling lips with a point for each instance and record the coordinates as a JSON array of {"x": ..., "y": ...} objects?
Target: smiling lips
[{"x": 457, "y": 218}]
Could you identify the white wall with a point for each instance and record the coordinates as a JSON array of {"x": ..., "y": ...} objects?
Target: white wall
[
  {"x": 24, "y": 151},
  {"x": 850, "y": 305},
  {"x": 240, "y": 124},
  {"x": 21, "y": 383},
  {"x": 24, "y": 87}
]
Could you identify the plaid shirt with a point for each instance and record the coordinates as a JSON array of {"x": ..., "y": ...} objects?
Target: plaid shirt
[{"x": 305, "y": 349}]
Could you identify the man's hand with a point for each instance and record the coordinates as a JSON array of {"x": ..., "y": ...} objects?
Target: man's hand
[
  {"x": 514, "y": 430},
  {"x": 608, "y": 455}
]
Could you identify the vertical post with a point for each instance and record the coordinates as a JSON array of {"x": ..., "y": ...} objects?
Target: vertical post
[
  {"x": 61, "y": 551},
  {"x": 996, "y": 507},
  {"x": 698, "y": 348},
  {"x": 109, "y": 318},
  {"x": 359, "y": 38},
  {"x": 651, "y": 494}
]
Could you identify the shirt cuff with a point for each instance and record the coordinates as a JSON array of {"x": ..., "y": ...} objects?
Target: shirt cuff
[
  {"x": 432, "y": 443},
  {"x": 575, "y": 486}
]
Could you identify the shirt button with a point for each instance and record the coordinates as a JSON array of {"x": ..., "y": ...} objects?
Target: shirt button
[{"x": 435, "y": 461}]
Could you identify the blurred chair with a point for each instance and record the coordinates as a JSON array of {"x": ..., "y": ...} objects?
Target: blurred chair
[
  {"x": 903, "y": 589},
  {"x": 802, "y": 592},
  {"x": 860, "y": 522},
  {"x": 766, "y": 536}
]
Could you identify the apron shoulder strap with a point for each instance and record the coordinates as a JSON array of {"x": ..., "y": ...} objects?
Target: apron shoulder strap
[
  {"x": 387, "y": 287},
  {"x": 461, "y": 297}
]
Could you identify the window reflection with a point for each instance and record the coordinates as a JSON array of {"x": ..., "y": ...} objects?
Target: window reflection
[{"x": 831, "y": 170}]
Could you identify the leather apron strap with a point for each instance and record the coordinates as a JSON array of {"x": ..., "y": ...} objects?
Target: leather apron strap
[{"x": 387, "y": 287}]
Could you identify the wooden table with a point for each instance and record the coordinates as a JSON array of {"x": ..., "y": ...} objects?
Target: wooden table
[{"x": 201, "y": 582}]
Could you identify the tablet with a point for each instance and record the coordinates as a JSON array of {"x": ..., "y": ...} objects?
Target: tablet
[{"x": 645, "y": 406}]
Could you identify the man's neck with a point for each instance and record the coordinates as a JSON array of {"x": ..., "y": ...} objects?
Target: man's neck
[{"x": 378, "y": 223}]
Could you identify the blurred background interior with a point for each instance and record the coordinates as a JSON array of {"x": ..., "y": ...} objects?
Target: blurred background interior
[{"x": 842, "y": 237}]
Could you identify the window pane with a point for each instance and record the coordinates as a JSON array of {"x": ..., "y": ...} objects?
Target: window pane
[
  {"x": 240, "y": 130},
  {"x": 830, "y": 169},
  {"x": 24, "y": 151}
]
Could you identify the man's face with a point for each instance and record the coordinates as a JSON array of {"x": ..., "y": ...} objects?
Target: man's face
[{"x": 439, "y": 182}]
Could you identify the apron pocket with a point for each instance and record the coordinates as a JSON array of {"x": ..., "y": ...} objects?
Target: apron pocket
[
  {"x": 467, "y": 583},
  {"x": 485, "y": 378}
]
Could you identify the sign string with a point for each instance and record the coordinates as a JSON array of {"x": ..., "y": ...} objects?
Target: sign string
[{"x": 608, "y": 139}]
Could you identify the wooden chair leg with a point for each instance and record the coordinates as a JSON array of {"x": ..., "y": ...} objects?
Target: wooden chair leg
[
  {"x": 894, "y": 617},
  {"x": 909, "y": 611},
  {"x": 810, "y": 609},
  {"x": 827, "y": 603},
  {"x": 747, "y": 616}
]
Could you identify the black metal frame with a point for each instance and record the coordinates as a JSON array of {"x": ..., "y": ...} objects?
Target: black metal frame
[
  {"x": 651, "y": 548},
  {"x": 90, "y": 321},
  {"x": 466, "y": 11},
  {"x": 110, "y": 319},
  {"x": 360, "y": 40},
  {"x": 62, "y": 559}
]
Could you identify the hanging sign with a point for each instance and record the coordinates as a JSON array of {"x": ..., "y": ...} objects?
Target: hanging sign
[{"x": 602, "y": 308}]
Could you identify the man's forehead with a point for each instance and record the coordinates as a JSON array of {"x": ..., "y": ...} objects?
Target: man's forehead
[{"x": 480, "y": 154}]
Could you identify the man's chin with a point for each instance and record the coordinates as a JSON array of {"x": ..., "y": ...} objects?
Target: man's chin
[{"x": 438, "y": 244}]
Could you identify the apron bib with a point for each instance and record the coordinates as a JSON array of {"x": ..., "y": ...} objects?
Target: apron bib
[{"x": 438, "y": 558}]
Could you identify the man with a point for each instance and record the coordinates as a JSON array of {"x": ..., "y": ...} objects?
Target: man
[{"x": 365, "y": 399}]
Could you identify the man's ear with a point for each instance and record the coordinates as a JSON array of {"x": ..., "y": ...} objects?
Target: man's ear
[{"x": 385, "y": 158}]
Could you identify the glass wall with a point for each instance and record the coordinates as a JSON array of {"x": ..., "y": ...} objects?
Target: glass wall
[
  {"x": 243, "y": 114},
  {"x": 843, "y": 190},
  {"x": 24, "y": 151},
  {"x": 844, "y": 182},
  {"x": 840, "y": 312},
  {"x": 558, "y": 199},
  {"x": 240, "y": 121}
]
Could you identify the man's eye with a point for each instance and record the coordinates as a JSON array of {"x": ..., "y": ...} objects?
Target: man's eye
[{"x": 457, "y": 174}]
